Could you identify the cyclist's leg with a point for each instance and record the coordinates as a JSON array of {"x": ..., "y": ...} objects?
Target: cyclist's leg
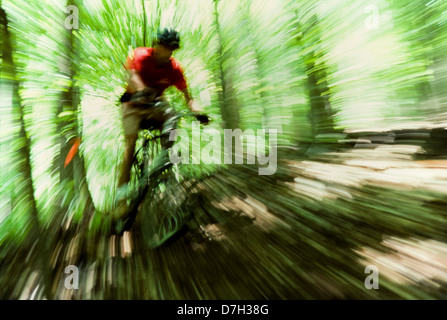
[
  {"x": 170, "y": 122},
  {"x": 131, "y": 117},
  {"x": 129, "y": 150},
  {"x": 164, "y": 117}
]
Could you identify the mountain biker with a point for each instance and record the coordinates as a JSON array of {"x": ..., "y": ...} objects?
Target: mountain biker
[{"x": 151, "y": 70}]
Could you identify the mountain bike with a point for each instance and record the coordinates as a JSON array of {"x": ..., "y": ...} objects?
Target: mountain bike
[{"x": 155, "y": 200}]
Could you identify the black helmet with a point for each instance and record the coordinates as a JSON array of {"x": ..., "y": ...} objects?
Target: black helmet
[{"x": 169, "y": 37}]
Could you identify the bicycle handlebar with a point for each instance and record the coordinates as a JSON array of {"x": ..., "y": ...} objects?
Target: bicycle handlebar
[
  {"x": 147, "y": 98},
  {"x": 201, "y": 117}
]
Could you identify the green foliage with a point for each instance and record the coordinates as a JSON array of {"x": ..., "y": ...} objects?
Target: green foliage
[{"x": 375, "y": 77}]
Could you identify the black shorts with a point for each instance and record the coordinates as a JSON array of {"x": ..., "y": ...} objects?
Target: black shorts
[{"x": 125, "y": 97}]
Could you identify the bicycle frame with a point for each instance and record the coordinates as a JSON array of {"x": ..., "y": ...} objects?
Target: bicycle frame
[{"x": 146, "y": 173}]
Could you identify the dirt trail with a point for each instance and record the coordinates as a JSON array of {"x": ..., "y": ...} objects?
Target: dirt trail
[{"x": 306, "y": 233}]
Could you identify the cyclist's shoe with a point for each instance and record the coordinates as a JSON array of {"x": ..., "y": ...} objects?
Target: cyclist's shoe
[{"x": 202, "y": 118}]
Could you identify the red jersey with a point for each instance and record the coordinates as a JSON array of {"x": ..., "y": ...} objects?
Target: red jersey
[{"x": 154, "y": 75}]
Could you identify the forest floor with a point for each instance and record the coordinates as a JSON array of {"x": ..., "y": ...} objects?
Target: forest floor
[{"x": 306, "y": 232}]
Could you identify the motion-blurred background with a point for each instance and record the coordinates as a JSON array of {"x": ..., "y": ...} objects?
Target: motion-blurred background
[{"x": 357, "y": 91}]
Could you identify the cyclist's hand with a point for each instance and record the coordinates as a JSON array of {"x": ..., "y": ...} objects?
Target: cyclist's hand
[
  {"x": 194, "y": 106},
  {"x": 202, "y": 118}
]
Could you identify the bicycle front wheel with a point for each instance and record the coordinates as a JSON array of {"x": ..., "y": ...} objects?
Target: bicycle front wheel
[{"x": 162, "y": 217}]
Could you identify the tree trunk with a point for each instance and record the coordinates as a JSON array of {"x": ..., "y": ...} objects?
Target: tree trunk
[
  {"x": 157, "y": 16},
  {"x": 320, "y": 114},
  {"x": 68, "y": 126},
  {"x": 228, "y": 105},
  {"x": 424, "y": 33},
  {"x": 10, "y": 86},
  {"x": 72, "y": 175},
  {"x": 144, "y": 22},
  {"x": 261, "y": 84}
]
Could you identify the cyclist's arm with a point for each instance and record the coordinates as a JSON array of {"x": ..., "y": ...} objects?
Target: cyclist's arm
[
  {"x": 134, "y": 82},
  {"x": 192, "y": 105}
]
